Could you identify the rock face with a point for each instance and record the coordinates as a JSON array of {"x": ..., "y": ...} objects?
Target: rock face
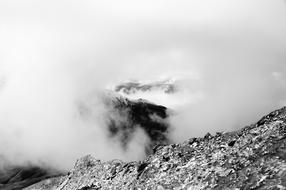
[
  {"x": 124, "y": 117},
  {"x": 149, "y": 117},
  {"x": 251, "y": 158}
]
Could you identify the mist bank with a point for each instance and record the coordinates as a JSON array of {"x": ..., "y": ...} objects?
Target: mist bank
[{"x": 228, "y": 56}]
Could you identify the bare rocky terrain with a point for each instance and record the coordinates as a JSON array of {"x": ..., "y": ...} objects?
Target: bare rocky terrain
[{"x": 253, "y": 157}]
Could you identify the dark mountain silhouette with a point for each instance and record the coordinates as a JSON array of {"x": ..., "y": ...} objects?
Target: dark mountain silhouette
[
  {"x": 124, "y": 117},
  {"x": 150, "y": 117},
  {"x": 18, "y": 177}
]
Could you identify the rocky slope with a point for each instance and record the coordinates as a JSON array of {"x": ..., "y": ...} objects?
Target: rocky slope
[
  {"x": 123, "y": 118},
  {"x": 251, "y": 158},
  {"x": 18, "y": 177}
]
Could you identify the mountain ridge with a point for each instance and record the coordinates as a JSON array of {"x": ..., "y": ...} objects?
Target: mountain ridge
[
  {"x": 167, "y": 86},
  {"x": 253, "y": 157}
]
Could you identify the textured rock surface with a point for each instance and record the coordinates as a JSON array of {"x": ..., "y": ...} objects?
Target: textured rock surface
[{"x": 251, "y": 158}]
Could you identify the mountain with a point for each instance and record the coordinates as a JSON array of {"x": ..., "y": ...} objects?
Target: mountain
[
  {"x": 253, "y": 157},
  {"x": 132, "y": 87},
  {"x": 123, "y": 117},
  {"x": 140, "y": 113},
  {"x": 17, "y": 177}
]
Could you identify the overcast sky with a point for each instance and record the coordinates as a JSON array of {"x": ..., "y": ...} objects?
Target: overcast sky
[{"x": 230, "y": 56}]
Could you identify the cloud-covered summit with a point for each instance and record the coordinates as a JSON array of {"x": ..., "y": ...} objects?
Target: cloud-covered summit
[
  {"x": 230, "y": 53},
  {"x": 132, "y": 87}
]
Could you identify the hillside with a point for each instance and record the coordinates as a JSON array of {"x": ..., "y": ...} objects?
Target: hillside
[
  {"x": 250, "y": 158},
  {"x": 123, "y": 118}
]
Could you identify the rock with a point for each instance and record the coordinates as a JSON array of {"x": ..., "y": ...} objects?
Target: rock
[{"x": 251, "y": 158}]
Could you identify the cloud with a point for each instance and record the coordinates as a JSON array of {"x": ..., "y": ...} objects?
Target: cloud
[{"x": 230, "y": 54}]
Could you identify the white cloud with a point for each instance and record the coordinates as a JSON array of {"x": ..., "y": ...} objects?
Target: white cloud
[{"x": 53, "y": 52}]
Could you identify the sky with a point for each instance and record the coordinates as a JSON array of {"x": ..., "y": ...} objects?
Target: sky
[{"x": 229, "y": 57}]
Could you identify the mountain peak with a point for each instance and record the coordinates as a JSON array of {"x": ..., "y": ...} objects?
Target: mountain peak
[{"x": 131, "y": 87}]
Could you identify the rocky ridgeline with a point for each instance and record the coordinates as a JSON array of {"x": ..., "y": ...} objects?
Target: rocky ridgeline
[
  {"x": 251, "y": 158},
  {"x": 165, "y": 86}
]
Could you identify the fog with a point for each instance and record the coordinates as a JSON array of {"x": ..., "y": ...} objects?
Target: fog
[{"x": 228, "y": 56}]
